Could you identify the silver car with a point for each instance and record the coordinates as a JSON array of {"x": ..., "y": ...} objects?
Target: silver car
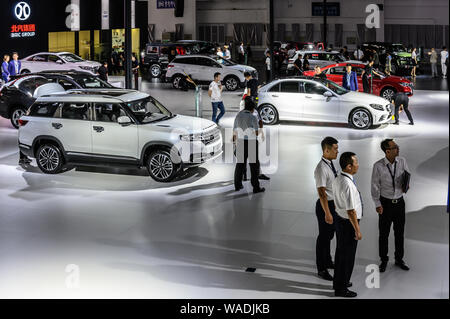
[
  {"x": 309, "y": 99},
  {"x": 320, "y": 58}
]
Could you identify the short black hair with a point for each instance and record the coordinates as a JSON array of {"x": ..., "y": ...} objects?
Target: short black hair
[
  {"x": 247, "y": 74},
  {"x": 15, "y": 53},
  {"x": 385, "y": 144},
  {"x": 216, "y": 74},
  {"x": 346, "y": 159},
  {"x": 249, "y": 103},
  {"x": 328, "y": 142},
  {"x": 348, "y": 65}
]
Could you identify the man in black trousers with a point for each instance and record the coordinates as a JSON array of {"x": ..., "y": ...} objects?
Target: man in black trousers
[
  {"x": 324, "y": 175},
  {"x": 245, "y": 133},
  {"x": 349, "y": 210},
  {"x": 387, "y": 190},
  {"x": 400, "y": 99}
]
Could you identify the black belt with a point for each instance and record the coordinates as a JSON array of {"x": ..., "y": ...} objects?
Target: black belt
[{"x": 393, "y": 201}]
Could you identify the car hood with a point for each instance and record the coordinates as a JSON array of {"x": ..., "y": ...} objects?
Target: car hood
[
  {"x": 188, "y": 124},
  {"x": 363, "y": 98},
  {"x": 243, "y": 68},
  {"x": 403, "y": 54},
  {"x": 87, "y": 63},
  {"x": 397, "y": 79}
]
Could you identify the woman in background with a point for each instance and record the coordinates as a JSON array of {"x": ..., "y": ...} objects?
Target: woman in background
[
  {"x": 5, "y": 66},
  {"x": 414, "y": 62}
]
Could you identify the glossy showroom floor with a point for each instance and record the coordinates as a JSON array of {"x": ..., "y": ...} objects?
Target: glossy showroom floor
[{"x": 132, "y": 237}]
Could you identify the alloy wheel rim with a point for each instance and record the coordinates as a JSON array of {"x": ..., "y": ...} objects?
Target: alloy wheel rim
[
  {"x": 17, "y": 114},
  {"x": 388, "y": 94},
  {"x": 231, "y": 84},
  {"x": 176, "y": 82},
  {"x": 155, "y": 70},
  {"x": 361, "y": 119},
  {"x": 161, "y": 166},
  {"x": 48, "y": 158},
  {"x": 267, "y": 114}
]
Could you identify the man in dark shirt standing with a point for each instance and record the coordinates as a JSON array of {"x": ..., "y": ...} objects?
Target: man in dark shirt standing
[
  {"x": 103, "y": 71},
  {"x": 298, "y": 65},
  {"x": 400, "y": 99}
]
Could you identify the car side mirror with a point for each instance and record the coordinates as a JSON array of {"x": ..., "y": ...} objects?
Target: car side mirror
[
  {"x": 328, "y": 94},
  {"x": 59, "y": 61},
  {"x": 124, "y": 120}
]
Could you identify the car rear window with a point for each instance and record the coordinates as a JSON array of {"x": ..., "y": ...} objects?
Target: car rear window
[
  {"x": 43, "y": 109},
  {"x": 184, "y": 60}
]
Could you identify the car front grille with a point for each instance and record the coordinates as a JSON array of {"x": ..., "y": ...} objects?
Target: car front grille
[{"x": 211, "y": 136}]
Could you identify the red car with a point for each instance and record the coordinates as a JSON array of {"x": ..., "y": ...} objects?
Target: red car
[{"x": 385, "y": 86}]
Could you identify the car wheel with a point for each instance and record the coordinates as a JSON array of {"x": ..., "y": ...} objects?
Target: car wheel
[
  {"x": 16, "y": 114},
  {"x": 49, "y": 159},
  {"x": 388, "y": 93},
  {"x": 231, "y": 83},
  {"x": 269, "y": 114},
  {"x": 176, "y": 82},
  {"x": 361, "y": 119},
  {"x": 161, "y": 167},
  {"x": 155, "y": 70}
]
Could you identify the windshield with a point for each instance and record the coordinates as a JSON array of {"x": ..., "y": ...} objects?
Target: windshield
[
  {"x": 334, "y": 87},
  {"x": 148, "y": 110},
  {"x": 69, "y": 57},
  {"x": 398, "y": 48},
  {"x": 222, "y": 61},
  {"x": 92, "y": 82}
]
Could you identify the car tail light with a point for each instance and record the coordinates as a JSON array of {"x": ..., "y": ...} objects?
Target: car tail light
[
  {"x": 291, "y": 61},
  {"x": 170, "y": 66},
  {"x": 22, "y": 122}
]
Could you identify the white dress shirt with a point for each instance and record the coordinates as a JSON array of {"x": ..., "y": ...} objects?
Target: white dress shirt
[
  {"x": 346, "y": 196},
  {"x": 382, "y": 179},
  {"x": 324, "y": 176}
]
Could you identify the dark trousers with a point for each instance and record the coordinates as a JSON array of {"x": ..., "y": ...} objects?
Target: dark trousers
[
  {"x": 344, "y": 259},
  {"x": 242, "y": 146},
  {"x": 392, "y": 214},
  {"x": 366, "y": 85},
  {"x": 326, "y": 234},
  {"x": 408, "y": 113},
  {"x": 136, "y": 80},
  {"x": 268, "y": 76}
]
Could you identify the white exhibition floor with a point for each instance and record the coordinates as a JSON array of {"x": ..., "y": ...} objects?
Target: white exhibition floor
[{"x": 131, "y": 237}]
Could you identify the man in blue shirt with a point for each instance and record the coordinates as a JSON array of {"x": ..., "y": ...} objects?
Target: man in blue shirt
[
  {"x": 15, "y": 66},
  {"x": 350, "y": 79}
]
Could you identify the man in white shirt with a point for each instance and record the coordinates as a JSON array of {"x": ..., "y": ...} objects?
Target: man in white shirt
[
  {"x": 387, "y": 193},
  {"x": 349, "y": 210},
  {"x": 358, "y": 54},
  {"x": 227, "y": 53},
  {"x": 215, "y": 93},
  {"x": 324, "y": 175},
  {"x": 241, "y": 53},
  {"x": 444, "y": 56},
  {"x": 268, "y": 68}
]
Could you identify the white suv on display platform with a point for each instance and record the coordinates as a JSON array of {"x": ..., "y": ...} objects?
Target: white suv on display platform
[
  {"x": 66, "y": 61},
  {"x": 115, "y": 128},
  {"x": 201, "y": 68}
]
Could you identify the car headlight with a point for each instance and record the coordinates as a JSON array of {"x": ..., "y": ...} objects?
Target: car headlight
[
  {"x": 88, "y": 68},
  {"x": 378, "y": 107},
  {"x": 405, "y": 84},
  {"x": 142, "y": 54}
]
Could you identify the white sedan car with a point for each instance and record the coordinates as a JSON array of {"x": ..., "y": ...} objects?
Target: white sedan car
[
  {"x": 47, "y": 61},
  {"x": 309, "y": 99}
]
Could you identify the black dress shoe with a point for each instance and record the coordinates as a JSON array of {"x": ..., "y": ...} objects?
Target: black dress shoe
[
  {"x": 264, "y": 177},
  {"x": 396, "y": 123},
  {"x": 383, "y": 266},
  {"x": 402, "y": 265},
  {"x": 411, "y": 123},
  {"x": 324, "y": 274},
  {"x": 349, "y": 284},
  {"x": 346, "y": 294},
  {"x": 238, "y": 188},
  {"x": 259, "y": 190}
]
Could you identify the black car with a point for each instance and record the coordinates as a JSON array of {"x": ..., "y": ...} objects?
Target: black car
[
  {"x": 401, "y": 59},
  {"x": 17, "y": 95},
  {"x": 156, "y": 56}
]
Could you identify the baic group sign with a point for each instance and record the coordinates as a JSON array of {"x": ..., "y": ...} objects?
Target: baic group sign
[{"x": 22, "y": 12}]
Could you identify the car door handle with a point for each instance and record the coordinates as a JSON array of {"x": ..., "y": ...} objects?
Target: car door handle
[
  {"x": 57, "y": 125},
  {"x": 274, "y": 95},
  {"x": 98, "y": 129},
  {"x": 308, "y": 97}
]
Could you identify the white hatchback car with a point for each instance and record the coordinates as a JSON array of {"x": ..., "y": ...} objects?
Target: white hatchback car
[
  {"x": 115, "y": 128},
  {"x": 202, "y": 68},
  {"x": 67, "y": 61},
  {"x": 309, "y": 99}
]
